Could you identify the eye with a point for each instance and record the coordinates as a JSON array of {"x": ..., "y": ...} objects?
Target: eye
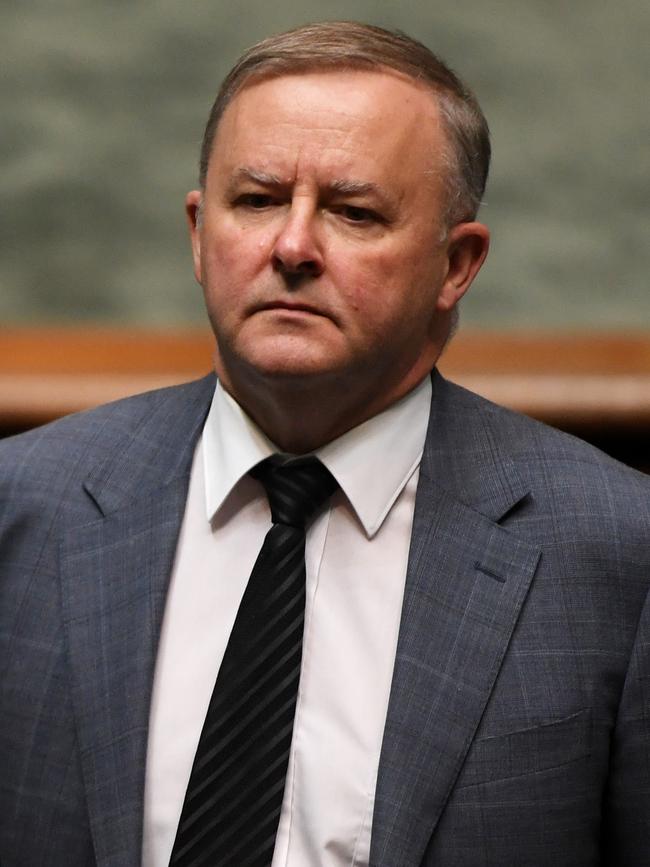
[
  {"x": 256, "y": 201},
  {"x": 356, "y": 214}
]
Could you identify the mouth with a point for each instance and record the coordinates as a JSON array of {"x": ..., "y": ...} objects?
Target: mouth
[{"x": 291, "y": 307}]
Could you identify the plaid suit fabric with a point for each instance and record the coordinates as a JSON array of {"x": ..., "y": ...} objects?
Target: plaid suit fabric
[{"x": 519, "y": 721}]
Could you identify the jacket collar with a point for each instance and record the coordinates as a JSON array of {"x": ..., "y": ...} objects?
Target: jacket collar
[
  {"x": 468, "y": 453},
  {"x": 153, "y": 444}
]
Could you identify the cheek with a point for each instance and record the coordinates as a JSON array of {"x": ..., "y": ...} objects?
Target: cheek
[
  {"x": 395, "y": 298},
  {"x": 233, "y": 253},
  {"x": 364, "y": 279},
  {"x": 379, "y": 286}
]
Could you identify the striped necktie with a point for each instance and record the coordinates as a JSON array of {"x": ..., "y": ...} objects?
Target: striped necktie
[{"x": 233, "y": 800}]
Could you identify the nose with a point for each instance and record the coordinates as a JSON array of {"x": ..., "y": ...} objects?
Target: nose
[{"x": 297, "y": 251}]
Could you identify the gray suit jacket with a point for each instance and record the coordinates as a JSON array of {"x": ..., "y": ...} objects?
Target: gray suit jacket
[{"x": 518, "y": 729}]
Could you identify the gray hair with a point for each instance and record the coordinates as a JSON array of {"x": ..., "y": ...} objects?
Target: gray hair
[{"x": 352, "y": 45}]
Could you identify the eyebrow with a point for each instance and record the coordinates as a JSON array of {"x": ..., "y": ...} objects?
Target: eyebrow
[
  {"x": 363, "y": 188},
  {"x": 245, "y": 173},
  {"x": 249, "y": 174},
  {"x": 353, "y": 188},
  {"x": 341, "y": 186}
]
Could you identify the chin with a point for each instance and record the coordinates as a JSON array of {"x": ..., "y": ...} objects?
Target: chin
[
  {"x": 290, "y": 369},
  {"x": 271, "y": 367},
  {"x": 290, "y": 358}
]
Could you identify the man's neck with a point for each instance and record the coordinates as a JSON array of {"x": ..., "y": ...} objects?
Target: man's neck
[{"x": 299, "y": 417}]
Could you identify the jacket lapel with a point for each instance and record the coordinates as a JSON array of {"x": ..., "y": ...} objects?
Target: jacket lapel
[
  {"x": 114, "y": 574},
  {"x": 467, "y": 579}
]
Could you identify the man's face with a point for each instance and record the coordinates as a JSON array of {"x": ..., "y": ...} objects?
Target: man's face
[{"x": 320, "y": 245}]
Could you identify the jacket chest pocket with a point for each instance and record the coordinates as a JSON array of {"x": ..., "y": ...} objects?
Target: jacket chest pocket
[
  {"x": 535, "y": 750},
  {"x": 531, "y": 797}
]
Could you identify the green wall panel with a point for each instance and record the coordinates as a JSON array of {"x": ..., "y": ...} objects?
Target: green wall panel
[{"x": 103, "y": 106}]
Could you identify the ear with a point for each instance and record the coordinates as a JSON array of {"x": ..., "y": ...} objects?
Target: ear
[
  {"x": 192, "y": 210},
  {"x": 467, "y": 247}
]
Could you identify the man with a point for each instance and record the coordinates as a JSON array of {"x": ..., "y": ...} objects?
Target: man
[{"x": 475, "y": 654}]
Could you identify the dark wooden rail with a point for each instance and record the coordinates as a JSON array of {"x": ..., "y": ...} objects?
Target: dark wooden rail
[{"x": 595, "y": 385}]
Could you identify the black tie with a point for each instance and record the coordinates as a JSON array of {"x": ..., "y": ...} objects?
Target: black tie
[{"x": 234, "y": 796}]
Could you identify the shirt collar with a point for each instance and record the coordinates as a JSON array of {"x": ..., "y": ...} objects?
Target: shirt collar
[{"x": 393, "y": 441}]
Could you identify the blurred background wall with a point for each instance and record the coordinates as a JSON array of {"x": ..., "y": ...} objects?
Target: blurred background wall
[{"x": 103, "y": 107}]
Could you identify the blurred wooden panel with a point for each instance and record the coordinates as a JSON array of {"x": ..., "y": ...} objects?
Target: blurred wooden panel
[
  {"x": 574, "y": 381},
  {"x": 596, "y": 385},
  {"x": 49, "y": 372}
]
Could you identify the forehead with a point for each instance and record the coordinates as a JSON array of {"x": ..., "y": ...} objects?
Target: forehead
[{"x": 382, "y": 118}]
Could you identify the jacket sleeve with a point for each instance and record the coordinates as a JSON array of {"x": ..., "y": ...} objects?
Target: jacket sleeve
[{"x": 626, "y": 825}]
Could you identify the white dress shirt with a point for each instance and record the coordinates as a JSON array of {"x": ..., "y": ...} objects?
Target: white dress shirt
[{"x": 356, "y": 558}]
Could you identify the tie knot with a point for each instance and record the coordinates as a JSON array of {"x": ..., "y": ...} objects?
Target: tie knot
[{"x": 295, "y": 487}]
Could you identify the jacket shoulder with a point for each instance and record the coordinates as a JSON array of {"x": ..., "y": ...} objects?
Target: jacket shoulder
[
  {"x": 41, "y": 465},
  {"x": 524, "y": 438},
  {"x": 474, "y": 440}
]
